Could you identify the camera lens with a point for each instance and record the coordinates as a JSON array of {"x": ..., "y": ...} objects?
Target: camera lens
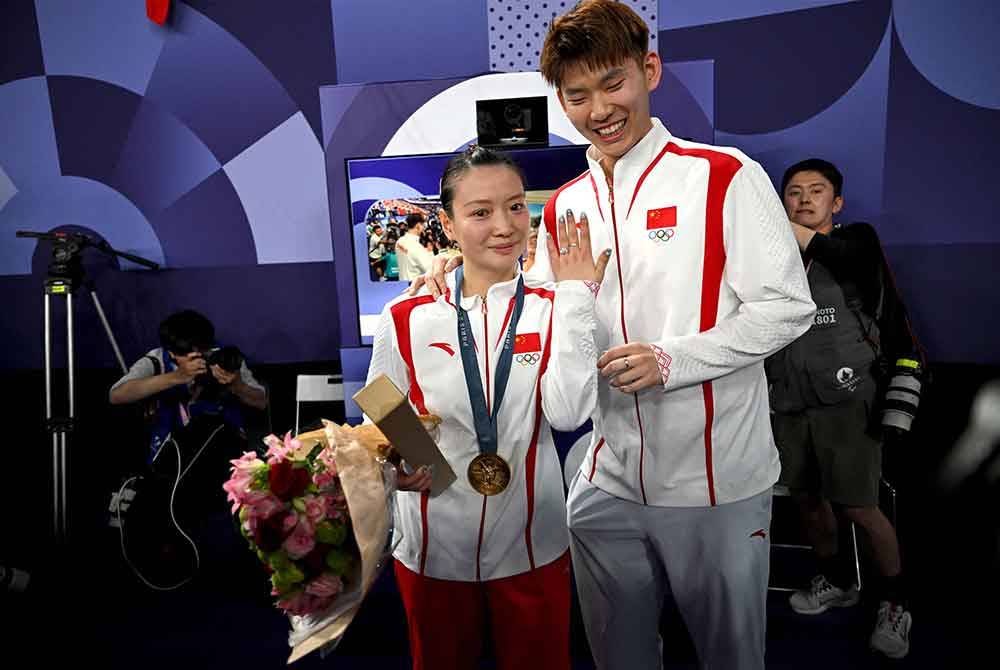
[{"x": 903, "y": 396}]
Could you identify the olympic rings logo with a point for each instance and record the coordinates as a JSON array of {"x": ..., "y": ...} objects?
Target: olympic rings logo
[
  {"x": 528, "y": 359},
  {"x": 661, "y": 234}
]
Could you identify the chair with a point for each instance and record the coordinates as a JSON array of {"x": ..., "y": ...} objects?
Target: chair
[
  {"x": 781, "y": 491},
  {"x": 317, "y": 388}
]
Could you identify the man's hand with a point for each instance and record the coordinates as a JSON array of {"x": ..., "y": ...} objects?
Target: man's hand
[
  {"x": 434, "y": 280},
  {"x": 573, "y": 259},
  {"x": 419, "y": 480},
  {"x": 630, "y": 367},
  {"x": 223, "y": 376},
  {"x": 529, "y": 255},
  {"x": 803, "y": 235},
  {"x": 189, "y": 366}
]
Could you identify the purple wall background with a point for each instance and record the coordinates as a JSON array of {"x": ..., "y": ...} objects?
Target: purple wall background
[{"x": 204, "y": 144}]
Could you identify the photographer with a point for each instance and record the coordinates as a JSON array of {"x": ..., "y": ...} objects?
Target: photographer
[
  {"x": 824, "y": 387},
  {"x": 172, "y": 516},
  {"x": 186, "y": 378}
]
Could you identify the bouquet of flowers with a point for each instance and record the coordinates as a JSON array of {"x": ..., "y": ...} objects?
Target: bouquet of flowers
[
  {"x": 293, "y": 512},
  {"x": 317, "y": 512}
]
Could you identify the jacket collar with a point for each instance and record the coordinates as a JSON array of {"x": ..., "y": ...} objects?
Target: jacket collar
[
  {"x": 502, "y": 291},
  {"x": 630, "y": 167}
]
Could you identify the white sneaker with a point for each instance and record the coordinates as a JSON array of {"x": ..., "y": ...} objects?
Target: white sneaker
[
  {"x": 822, "y": 595},
  {"x": 892, "y": 630}
]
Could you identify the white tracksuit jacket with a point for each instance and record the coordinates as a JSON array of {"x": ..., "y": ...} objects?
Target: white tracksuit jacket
[
  {"x": 461, "y": 534},
  {"x": 706, "y": 268}
]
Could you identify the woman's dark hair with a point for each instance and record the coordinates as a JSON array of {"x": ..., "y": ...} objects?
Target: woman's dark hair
[
  {"x": 474, "y": 156},
  {"x": 186, "y": 331}
]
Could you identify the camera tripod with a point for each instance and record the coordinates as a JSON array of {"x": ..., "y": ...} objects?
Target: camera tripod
[{"x": 65, "y": 275}]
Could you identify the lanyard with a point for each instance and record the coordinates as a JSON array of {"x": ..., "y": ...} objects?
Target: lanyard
[{"x": 486, "y": 425}]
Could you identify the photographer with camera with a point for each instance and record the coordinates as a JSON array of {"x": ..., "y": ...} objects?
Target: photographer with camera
[
  {"x": 187, "y": 375},
  {"x": 194, "y": 394},
  {"x": 824, "y": 391}
]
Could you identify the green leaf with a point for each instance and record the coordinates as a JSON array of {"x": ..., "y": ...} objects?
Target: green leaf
[
  {"x": 278, "y": 561},
  {"x": 338, "y": 561},
  {"x": 329, "y": 532}
]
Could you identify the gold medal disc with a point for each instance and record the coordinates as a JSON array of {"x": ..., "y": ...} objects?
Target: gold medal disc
[{"x": 489, "y": 474}]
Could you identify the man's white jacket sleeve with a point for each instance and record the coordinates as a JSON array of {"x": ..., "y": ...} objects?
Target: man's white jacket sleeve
[{"x": 764, "y": 269}]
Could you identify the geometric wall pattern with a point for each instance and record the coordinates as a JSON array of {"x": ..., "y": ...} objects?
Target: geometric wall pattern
[
  {"x": 202, "y": 144},
  {"x": 517, "y": 29},
  {"x": 185, "y": 123}
]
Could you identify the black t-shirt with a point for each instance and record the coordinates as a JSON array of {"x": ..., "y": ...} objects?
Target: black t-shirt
[{"x": 853, "y": 255}]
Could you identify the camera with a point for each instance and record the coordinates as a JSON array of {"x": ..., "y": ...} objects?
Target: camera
[
  {"x": 902, "y": 397},
  {"x": 228, "y": 358}
]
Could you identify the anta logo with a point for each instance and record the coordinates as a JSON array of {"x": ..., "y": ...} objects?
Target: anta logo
[
  {"x": 661, "y": 224},
  {"x": 527, "y": 349},
  {"x": 760, "y": 532},
  {"x": 443, "y": 346}
]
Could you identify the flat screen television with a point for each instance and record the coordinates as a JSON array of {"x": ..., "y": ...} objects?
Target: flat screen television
[{"x": 383, "y": 190}]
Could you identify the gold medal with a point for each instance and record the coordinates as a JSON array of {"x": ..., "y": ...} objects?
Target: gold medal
[{"x": 489, "y": 474}]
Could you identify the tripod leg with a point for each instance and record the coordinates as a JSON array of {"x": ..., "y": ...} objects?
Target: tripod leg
[
  {"x": 69, "y": 349},
  {"x": 48, "y": 359},
  {"x": 57, "y": 447},
  {"x": 107, "y": 330}
]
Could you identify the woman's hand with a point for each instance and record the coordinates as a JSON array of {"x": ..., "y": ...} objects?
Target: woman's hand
[
  {"x": 434, "y": 278},
  {"x": 573, "y": 258},
  {"x": 418, "y": 480}
]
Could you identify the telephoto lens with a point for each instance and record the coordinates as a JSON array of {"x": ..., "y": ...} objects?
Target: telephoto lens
[{"x": 903, "y": 396}]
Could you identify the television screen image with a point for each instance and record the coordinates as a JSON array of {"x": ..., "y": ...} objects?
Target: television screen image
[{"x": 389, "y": 194}]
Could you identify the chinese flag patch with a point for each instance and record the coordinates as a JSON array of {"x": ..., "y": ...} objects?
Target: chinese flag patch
[
  {"x": 664, "y": 217},
  {"x": 527, "y": 342}
]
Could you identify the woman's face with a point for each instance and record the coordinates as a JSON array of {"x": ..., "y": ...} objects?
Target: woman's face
[{"x": 489, "y": 219}]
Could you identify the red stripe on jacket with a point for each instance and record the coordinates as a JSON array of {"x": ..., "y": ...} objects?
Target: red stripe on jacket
[
  {"x": 529, "y": 460},
  {"x": 722, "y": 169},
  {"x": 593, "y": 466},
  {"x": 401, "y": 313}
]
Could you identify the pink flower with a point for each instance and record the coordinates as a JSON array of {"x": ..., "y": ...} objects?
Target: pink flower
[
  {"x": 278, "y": 450},
  {"x": 262, "y": 504},
  {"x": 247, "y": 463},
  {"x": 324, "y": 479},
  {"x": 326, "y": 458},
  {"x": 243, "y": 469},
  {"x": 289, "y": 522},
  {"x": 315, "y": 509},
  {"x": 301, "y": 541},
  {"x": 325, "y": 586},
  {"x": 335, "y": 506}
]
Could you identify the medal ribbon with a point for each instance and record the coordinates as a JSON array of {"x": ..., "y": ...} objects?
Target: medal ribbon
[{"x": 485, "y": 423}]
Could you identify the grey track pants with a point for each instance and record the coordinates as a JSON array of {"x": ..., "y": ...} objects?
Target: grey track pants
[{"x": 713, "y": 561}]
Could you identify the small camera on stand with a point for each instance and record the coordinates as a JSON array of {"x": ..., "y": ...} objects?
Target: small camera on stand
[{"x": 512, "y": 122}]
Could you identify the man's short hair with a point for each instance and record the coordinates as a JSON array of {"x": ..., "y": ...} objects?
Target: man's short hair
[
  {"x": 825, "y": 168},
  {"x": 186, "y": 331},
  {"x": 413, "y": 219},
  {"x": 596, "y": 34}
]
